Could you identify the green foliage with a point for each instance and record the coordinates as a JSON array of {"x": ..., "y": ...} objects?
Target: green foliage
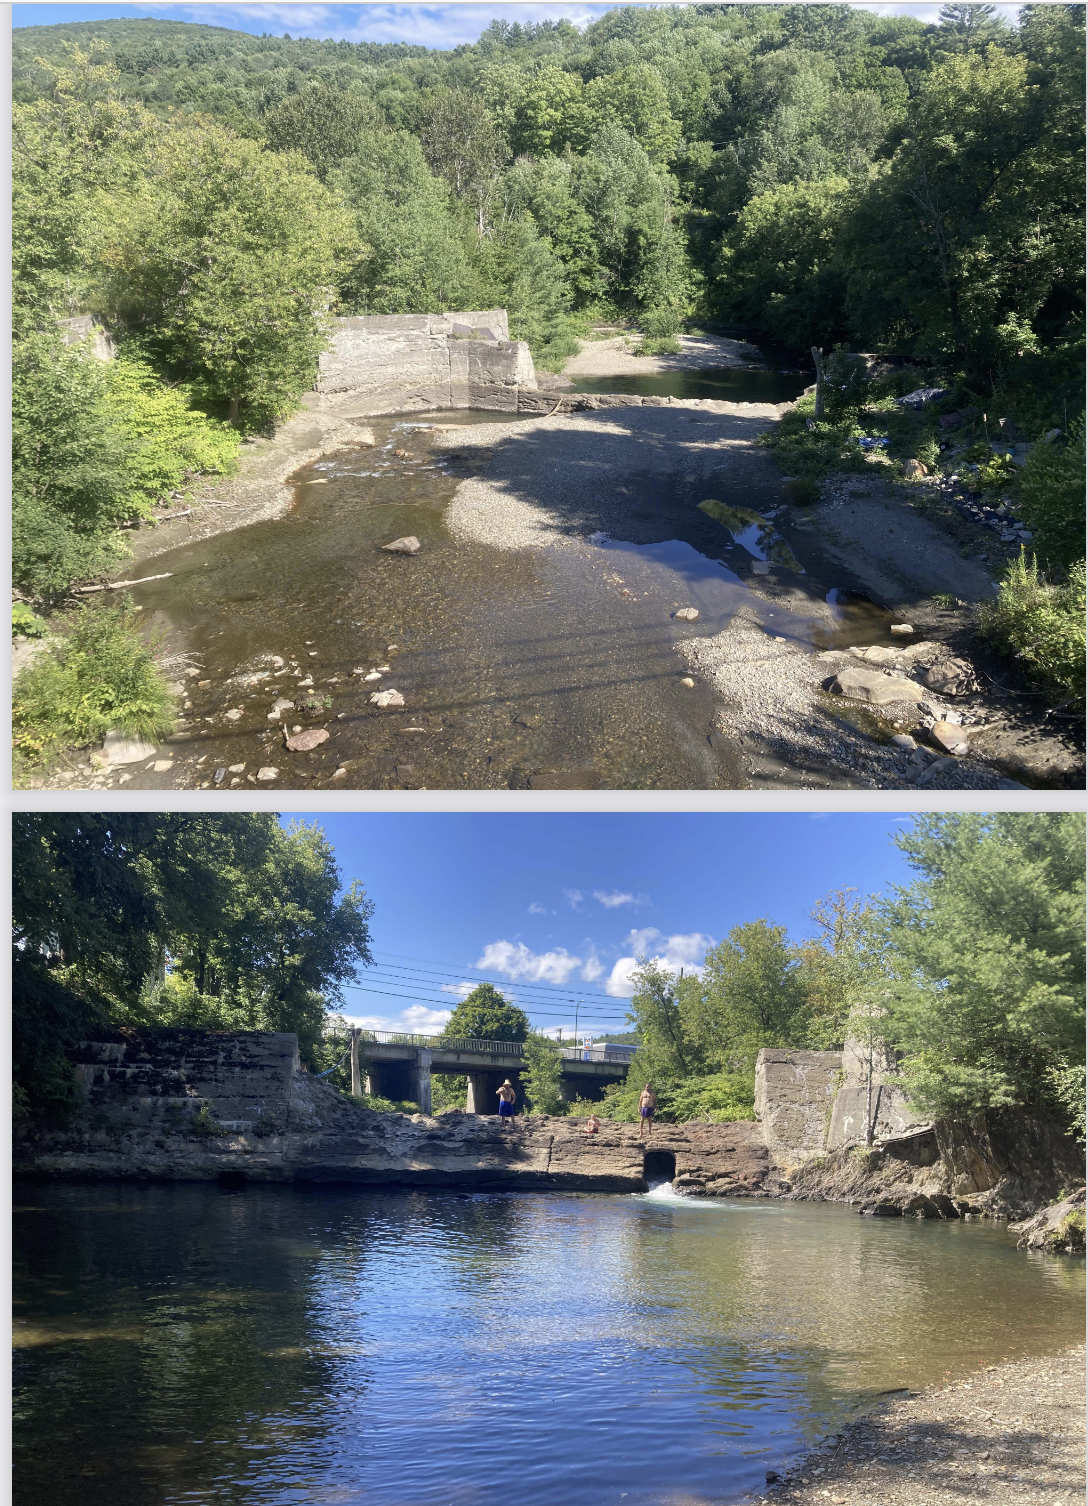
[
  {"x": 1041, "y": 626},
  {"x": 485, "y": 1015},
  {"x": 751, "y": 994},
  {"x": 414, "y": 253},
  {"x": 323, "y": 124},
  {"x": 224, "y": 257},
  {"x": 516, "y": 269},
  {"x": 24, "y": 624},
  {"x": 71, "y": 468},
  {"x": 838, "y": 966},
  {"x": 541, "y": 1080},
  {"x": 1052, "y": 496},
  {"x": 171, "y": 442},
  {"x": 987, "y": 958},
  {"x": 258, "y": 930},
  {"x": 1068, "y": 1086},
  {"x": 100, "y": 675}
]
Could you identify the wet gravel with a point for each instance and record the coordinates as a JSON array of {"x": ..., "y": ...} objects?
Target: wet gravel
[{"x": 1010, "y": 1435}]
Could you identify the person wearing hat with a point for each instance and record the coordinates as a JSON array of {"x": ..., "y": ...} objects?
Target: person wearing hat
[{"x": 506, "y": 1101}]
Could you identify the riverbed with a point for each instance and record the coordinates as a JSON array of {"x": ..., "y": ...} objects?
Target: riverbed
[{"x": 185, "y": 1344}]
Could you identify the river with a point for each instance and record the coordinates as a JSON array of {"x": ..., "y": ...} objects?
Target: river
[{"x": 183, "y": 1344}]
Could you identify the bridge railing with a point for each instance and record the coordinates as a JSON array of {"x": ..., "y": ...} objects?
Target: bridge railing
[
  {"x": 441, "y": 1042},
  {"x": 589, "y": 1054}
]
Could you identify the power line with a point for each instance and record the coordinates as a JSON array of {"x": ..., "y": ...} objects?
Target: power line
[
  {"x": 448, "y": 967},
  {"x": 388, "y": 993}
]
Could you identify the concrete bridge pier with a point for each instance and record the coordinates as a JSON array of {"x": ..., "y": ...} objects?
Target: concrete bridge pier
[
  {"x": 422, "y": 1094},
  {"x": 483, "y": 1092}
]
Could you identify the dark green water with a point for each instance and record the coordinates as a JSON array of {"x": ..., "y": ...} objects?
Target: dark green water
[
  {"x": 728, "y": 384},
  {"x": 181, "y": 1344}
]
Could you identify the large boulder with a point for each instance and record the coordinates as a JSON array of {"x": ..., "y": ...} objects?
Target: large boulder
[
  {"x": 1058, "y": 1229},
  {"x": 121, "y": 748},
  {"x": 879, "y": 690}
]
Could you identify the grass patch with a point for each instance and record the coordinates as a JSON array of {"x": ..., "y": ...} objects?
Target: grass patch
[
  {"x": 661, "y": 345},
  {"x": 99, "y": 676},
  {"x": 1041, "y": 626}
]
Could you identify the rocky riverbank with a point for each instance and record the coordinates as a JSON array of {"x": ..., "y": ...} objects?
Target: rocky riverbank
[{"x": 1009, "y": 1435}]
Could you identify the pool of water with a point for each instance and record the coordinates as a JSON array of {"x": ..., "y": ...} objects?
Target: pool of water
[
  {"x": 179, "y": 1344},
  {"x": 729, "y": 384}
]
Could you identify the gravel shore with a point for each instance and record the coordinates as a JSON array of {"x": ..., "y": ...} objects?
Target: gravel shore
[
  {"x": 613, "y": 357},
  {"x": 1010, "y": 1435}
]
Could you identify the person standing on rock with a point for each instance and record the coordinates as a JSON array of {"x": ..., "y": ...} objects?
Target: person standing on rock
[
  {"x": 647, "y": 1103},
  {"x": 506, "y": 1101}
]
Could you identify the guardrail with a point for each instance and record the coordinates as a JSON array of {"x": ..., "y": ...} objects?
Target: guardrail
[
  {"x": 440, "y": 1042},
  {"x": 580, "y": 1054}
]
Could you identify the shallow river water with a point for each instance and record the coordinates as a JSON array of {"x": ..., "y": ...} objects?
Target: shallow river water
[
  {"x": 331, "y": 1345},
  {"x": 520, "y": 669}
]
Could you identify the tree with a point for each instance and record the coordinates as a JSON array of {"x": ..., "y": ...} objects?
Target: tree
[
  {"x": 664, "y": 1052},
  {"x": 987, "y": 958},
  {"x": 465, "y": 146},
  {"x": 966, "y": 27},
  {"x": 323, "y": 124},
  {"x": 224, "y": 260},
  {"x": 485, "y": 1014},
  {"x": 752, "y": 994},
  {"x": 960, "y": 242},
  {"x": 541, "y": 1081},
  {"x": 222, "y": 922},
  {"x": 413, "y": 255},
  {"x": 839, "y": 965}
]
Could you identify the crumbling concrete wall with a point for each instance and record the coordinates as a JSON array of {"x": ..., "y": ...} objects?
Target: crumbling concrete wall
[
  {"x": 150, "y": 1078},
  {"x": 795, "y": 1091},
  {"x": 892, "y": 1117},
  {"x": 398, "y": 363}
]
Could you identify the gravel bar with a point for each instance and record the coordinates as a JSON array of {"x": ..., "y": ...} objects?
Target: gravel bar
[{"x": 1009, "y": 1435}]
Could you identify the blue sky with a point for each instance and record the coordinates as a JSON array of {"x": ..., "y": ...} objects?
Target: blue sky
[
  {"x": 555, "y": 908},
  {"x": 429, "y": 25}
]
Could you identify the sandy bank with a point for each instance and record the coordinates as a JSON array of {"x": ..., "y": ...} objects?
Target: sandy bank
[
  {"x": 1010, "y": 1435},
  {"x": 613, "y": 357}
]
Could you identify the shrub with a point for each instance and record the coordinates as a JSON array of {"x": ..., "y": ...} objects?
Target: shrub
[
  {"x": 99, "y": 676},
  {"x": 1041, "y": 625},
  {"x": 542, "y": 1089},
  {"x": 1052, "y": 497},
  {"x": 171, "y": 441},
  {"x": 24, "y": 624}
]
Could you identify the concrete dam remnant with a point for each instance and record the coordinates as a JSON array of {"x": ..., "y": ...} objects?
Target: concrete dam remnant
[{"x": 236, "y": 1106}]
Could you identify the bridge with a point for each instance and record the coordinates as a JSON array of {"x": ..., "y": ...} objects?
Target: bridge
[{"x": 398, "y": 1065}]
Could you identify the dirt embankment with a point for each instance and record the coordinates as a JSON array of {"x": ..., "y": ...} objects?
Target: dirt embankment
[{"x": 1010, "y": 1435}]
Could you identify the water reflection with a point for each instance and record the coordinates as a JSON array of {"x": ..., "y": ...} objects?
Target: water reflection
[
  {"x": 729, "y": 384},
  {"x": 402, "y": 1349}
]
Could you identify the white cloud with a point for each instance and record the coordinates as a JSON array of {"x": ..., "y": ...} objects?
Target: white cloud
[
  {"x": 462, "y": 990},
  {"x": 419, "y": 1017},
  {"x": 671, "y": 952},
  {"x": 592, "y": 968},
  {"x": 515, "y": 960},
  {"x": 574, "y": 897},
  {"x": 535, "y": 909},
  {"x": 613, "y": 898}
]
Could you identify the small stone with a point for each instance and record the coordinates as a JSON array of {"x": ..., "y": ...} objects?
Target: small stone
[
  {"x": 305, "y": 742},
  {"x": 901, "y": 627},
  {"x": 374, "y": 674},
  {"x": 202, "y": 684},
  {"x": 312, "y": 654},
  {"x": 234, "y": 768},
  {"x": 267, "y": 773},
  {"x": 340, "y": 774},
  {"x": 193, "y": 674},
  {"x": 688, "y": 681},
  {"x": 904, "y": 740},
  {"x": 232, "y": 716},
  {"x": 877, "y": 689},
  {"x": 296, "y": 729},
  {"x": 686, "y": 614},
  {"x": 219, "y": 775},
  {"x": 391, "y": 648},
  {"x": 236, "y": 782},
  {"x": 408, "y": 545},
  {"x": 307, "y": 683},
  {"x": 760, "y": 567},
  {"x": 277, "y": 662},
  {"x": 387, "y": 698},
  {"x": 914, "y": 470},
  {"x": 162, "y": 765}
]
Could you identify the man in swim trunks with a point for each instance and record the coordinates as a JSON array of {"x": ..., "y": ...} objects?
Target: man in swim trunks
[
  {"x": 647, "y": 1103},
  {"x": 506, "y": 1101}
]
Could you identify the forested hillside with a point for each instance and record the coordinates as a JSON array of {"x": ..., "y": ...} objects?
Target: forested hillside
[{"x": 818, "y": 174}]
